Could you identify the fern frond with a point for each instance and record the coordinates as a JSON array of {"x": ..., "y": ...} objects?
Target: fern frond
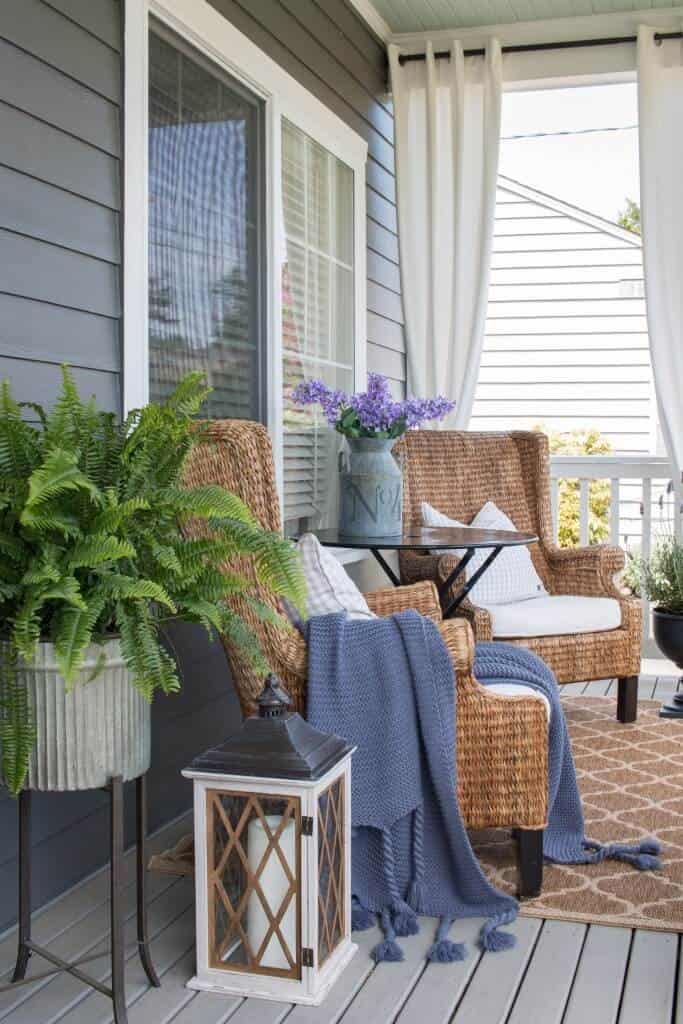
[
  {"x": 59, "y": 473},
  {"x": 97, "y": 549},
  {"x": 73, "y": 632},
  {"x": 17, "y": 725}
]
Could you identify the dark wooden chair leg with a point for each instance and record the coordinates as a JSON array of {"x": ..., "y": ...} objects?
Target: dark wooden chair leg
[
  {"x": 530, "y": 859},
  {"x": 627, "y": 699},
  {"x": 24, "y": 950},
  {"x": 141, "y": 859},
  {"x": 118, "y": 956}
]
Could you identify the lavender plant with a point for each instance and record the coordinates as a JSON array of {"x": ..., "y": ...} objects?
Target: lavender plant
[{"x": 371, "y": 413}]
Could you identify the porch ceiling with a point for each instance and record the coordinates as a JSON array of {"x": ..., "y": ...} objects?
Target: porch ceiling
[{"x": 431, "y": 15}]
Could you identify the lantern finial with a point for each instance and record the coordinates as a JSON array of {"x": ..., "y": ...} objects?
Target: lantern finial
[{"x": 273, "y": 701}]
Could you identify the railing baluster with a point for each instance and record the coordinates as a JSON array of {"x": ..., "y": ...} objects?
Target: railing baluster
[
  {"x": 584, "y": 512},
  {"x": 614, "y": 511},
  {"x": 554, "y": 504},
  {"x": 646, "y": 547}
]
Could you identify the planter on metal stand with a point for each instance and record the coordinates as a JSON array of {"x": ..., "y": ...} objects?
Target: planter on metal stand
[
  {"x": 93, "y": 735},
  {"x": 668, "y": 632}
]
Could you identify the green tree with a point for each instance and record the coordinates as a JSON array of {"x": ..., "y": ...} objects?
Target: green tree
[
  {"x": 580, "y": 442},
  {"x": 630, "y": 217}
]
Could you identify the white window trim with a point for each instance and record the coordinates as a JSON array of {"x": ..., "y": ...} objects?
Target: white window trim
[{"x": 284, "y": 97}]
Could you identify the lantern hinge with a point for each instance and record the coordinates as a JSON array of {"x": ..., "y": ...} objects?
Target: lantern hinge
[
  {"x": 307, "y": 956},
  {"x": 306, "y": 825}
]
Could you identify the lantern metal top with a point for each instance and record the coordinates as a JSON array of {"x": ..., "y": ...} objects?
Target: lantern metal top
[{"x": 276, "y": 743}]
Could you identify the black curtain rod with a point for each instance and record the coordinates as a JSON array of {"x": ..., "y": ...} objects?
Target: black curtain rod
[{"x": 567, "y": 44}]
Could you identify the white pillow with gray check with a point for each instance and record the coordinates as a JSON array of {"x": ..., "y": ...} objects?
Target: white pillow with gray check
[
  {"x": 511, "y": 577},
  {"x": 330, "y": 588}
]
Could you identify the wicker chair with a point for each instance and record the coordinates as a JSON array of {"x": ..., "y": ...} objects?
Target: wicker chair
[
  {"x": 457, "y": 472},
  {"x": 502, "y": 741}
]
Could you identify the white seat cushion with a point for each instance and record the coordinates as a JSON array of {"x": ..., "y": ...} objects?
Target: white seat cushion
[
  {"x": 554, "y": 616},
  {"x": 511, "y": 577},
  {"x": 519, "y": 690},
  {"x": 330, "y": 588}
]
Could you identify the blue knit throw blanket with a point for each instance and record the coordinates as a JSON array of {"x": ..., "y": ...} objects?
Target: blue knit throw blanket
[{"x": 387, "y": 686}]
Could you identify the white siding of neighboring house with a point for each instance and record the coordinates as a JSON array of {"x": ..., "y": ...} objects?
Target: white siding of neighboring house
[{"x": 566, "y": 336}]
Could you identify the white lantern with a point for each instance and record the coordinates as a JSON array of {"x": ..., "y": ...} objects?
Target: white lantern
[{"x": 272, "y": 833}]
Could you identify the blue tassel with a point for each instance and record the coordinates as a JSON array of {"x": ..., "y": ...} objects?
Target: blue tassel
[
  {"x": 494, "y": 941},
  {"x": 651, "y": 845},
  {"x": 361, "y": 917},
  {"x": 444, "y": 951},
  {"x": 405, "y": 918},
  {"x": 416, "y": 894},
  {"x": 388, "y": 949}
]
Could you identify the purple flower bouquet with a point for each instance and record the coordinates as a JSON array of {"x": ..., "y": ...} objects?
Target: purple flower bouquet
[{"x": 372, "y": 413}]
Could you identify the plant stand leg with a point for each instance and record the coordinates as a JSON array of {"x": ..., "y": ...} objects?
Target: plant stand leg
[
  {"x": 141, "y": 859},
  {"x": 627, "y": 699},
  {"x": 530, "y": 856},
  {"x": 23, "y": 950},
  {"x": 118, "y": 958}
]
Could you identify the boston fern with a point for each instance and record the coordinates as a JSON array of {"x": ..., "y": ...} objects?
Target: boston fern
[{"x": 92, "y": 546}]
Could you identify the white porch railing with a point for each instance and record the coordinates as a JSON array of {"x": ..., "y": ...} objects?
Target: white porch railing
[{"x": 645, "y": 502}]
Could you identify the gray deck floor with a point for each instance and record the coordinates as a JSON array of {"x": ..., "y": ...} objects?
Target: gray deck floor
[{"x": 558, "y": 973}]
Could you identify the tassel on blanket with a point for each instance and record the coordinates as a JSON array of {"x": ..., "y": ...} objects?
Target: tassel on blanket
[
  {"x": 643, "y": 855},
  {"x": 404, "y": 917},
  {"x": 493, "y": 941},
  {"x": 388, "y": 949},
  {"x": 444, "y": 951},
  {"x": 361, "y": 917}
]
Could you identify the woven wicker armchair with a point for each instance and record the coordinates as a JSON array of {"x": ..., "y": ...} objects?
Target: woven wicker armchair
[
  {"x": 502, "y": 741},
  {"x": 457, "y": 472}
]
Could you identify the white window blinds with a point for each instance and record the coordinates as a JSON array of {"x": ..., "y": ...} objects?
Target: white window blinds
[{"x": 318, "y": 317}]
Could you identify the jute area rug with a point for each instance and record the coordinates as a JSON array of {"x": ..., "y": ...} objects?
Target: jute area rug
[{"x": 631, "y": 781}]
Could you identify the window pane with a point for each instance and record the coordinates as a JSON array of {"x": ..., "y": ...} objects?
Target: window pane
[
  {"x": 206, "y": 267},
  {"x": 318, "y": 318}
]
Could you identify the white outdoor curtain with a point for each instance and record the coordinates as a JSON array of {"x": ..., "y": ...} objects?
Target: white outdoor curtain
[
  {"x": 660, "y": 110},
  {"x": 447, "y": 140}
]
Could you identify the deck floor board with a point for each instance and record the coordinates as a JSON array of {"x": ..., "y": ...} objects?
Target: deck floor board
[{"x": 557, "y": 972}]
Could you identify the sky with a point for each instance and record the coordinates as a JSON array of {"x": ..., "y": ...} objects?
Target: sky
[{"x": 595, "y": 171}]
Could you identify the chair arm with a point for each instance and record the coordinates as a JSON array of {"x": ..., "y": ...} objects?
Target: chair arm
[
  {"x": 459, "y": 641},
  {"x": 588, "y": 571},
  {"x": 423, "y": 597}
]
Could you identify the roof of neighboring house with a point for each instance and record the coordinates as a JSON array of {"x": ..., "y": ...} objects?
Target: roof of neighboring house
[{"x": 569, "y": 210}]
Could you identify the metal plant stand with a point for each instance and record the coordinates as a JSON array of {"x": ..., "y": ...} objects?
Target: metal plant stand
[{"x": 27, "y": 947}]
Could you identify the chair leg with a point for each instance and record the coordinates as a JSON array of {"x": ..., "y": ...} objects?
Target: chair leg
[
  {"x": 627, "y": 699},
  {"x": 530, "y": 859}
]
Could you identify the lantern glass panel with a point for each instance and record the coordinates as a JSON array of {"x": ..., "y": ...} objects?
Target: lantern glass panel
[
  {"x": 254, "y": 879},
  {"x": 331, "y": 879}
]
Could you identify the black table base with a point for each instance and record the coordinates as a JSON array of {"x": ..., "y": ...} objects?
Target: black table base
[
  {"x": 446, "y": 585},
  {"x": 118, "y": 954}
]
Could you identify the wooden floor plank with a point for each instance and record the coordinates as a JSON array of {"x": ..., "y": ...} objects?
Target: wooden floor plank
[
  {"x": 346, "y": 987},
  {"x": 206, "y": 1008},
  {"x": 650, "y": 980},
  {"x": 666, "y": 686},
  {"x": 572, "y": 689},
  {"x": 76, "y": 903},
  {"x": 84, "y": 937},
  {"x": 260, "y": 1011},
  {"x": 646, "y": 687},
  {"x": 167, "y": 949},
  {"x": 598, "y": 688},
  {"x": 64, "y": 993},
  {"x": 390, "y": 984},
  {"x": 494, "y": 984},
  {"x": 160, "y": 1004},
  {"x": 543, "y": 993},
  {"x": 441, "y": 986},
  {"x": 599, "y": 978}
]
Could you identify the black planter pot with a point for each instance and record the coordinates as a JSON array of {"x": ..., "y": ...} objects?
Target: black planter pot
[{"x": 668, "y": 633}]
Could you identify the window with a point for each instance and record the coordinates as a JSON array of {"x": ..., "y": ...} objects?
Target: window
[
  {"x": 244, "y": 237},
  {"x": 317, "y": 317},
  {"x": 206, "y": 254}
]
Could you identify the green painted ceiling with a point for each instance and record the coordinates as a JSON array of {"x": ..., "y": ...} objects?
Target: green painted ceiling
[{"x": 427, "y": 15}]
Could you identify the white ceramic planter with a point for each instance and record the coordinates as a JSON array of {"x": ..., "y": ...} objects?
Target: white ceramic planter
[{"x": 98, "y": 730}]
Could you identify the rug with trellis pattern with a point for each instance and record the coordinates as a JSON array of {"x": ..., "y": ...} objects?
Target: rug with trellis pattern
[{"x": 631, "y": 781}]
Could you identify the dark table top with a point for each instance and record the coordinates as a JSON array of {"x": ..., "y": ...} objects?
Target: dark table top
[{"x": 427, "y": 538}]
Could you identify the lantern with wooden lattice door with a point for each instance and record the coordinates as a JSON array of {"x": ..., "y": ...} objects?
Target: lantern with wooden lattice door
[{"x": 273, "y": 857}]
